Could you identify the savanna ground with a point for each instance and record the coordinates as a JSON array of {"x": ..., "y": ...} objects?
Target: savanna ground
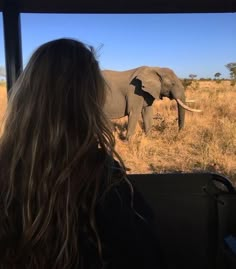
[{"x": 207, "y": 143}]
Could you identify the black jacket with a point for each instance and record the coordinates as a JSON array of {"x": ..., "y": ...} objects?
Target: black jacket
[{"x": 126, "y": 230}]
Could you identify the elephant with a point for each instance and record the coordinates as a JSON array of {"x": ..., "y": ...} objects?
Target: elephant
[{"x": 132, "y": 92}]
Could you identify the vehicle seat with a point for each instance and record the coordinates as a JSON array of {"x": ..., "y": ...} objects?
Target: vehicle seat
[{"x": 193, "y": 213}]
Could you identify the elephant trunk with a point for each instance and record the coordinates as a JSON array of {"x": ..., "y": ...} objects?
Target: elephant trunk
[{"x": 181, "y": 114}]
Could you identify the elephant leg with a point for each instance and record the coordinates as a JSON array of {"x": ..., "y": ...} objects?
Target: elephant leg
[
  {"x": 147, "y": 115},
  {"x": 132, "y": 122}
]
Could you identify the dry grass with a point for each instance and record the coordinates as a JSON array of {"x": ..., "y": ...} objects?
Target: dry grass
[
  {"x": 3, "y": 101},
  {"x": 208, "y": 142}
]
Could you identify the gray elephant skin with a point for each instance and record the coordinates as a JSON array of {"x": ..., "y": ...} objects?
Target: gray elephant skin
[{"x": 132, "y": 92}]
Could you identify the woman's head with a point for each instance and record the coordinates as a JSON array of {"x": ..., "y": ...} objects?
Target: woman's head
[
  {"x": 56, "y": 105},
  {"x": 61, "y": 89},
  {"x": 53, "y": 129}
]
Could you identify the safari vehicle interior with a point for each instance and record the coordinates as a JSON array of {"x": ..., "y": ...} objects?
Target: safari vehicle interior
[{"x": 194, "y": 212}]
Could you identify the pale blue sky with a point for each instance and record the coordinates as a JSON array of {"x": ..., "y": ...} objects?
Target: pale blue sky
[{"x": 198, "y": 44}]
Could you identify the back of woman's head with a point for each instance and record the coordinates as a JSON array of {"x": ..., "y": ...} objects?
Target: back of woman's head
[
  {"x": 61, "y": 92},
  {"x": 54, "y": 132}
]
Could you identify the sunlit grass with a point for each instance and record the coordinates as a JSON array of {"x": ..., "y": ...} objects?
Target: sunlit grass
[
  {"x": 207, "y": 143},
  {"x": 3, "y": 103}
]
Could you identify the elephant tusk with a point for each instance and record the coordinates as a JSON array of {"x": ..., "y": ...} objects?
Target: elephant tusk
[{"x": 186, "y": 107}]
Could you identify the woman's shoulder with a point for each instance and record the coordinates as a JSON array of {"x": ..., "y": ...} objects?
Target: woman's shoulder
[
  {"x": 123, "y": 198},
  {"x": 119, "y": 194},
  {"x": 125, "y": 224}
]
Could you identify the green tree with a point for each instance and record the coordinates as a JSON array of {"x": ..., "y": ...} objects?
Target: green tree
[
  {"x": 192, "y": 76},
  {"x": 217, "y": 75},
  {"x": 232, "y": 69},
  {"x": 233, "y": 73}
]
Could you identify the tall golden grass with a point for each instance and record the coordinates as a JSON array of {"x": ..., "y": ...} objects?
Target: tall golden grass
[
  {"x": 207, "y": 143},
  {"x": 3, "y": 103}
]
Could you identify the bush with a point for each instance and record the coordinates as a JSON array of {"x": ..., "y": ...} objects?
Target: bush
[
  {"x": 186, "y": 82},
  {"x": 205, "y": 79},
  {"x": 233, "y": 82}
]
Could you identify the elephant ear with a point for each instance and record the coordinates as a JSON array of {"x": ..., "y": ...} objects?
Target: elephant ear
[{"x": 150, "y": 81}]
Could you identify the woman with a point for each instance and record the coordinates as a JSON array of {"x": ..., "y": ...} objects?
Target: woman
[{"x": 65, "y": 201}]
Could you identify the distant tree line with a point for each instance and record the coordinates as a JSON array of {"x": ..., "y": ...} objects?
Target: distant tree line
[{"x": 217, "y": 76}]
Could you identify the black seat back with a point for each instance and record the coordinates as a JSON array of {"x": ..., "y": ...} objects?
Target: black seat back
[{"x": 193, "y": 212}]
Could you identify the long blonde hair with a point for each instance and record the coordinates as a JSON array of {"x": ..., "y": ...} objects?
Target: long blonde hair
[{"x": 54, "y": 150}]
